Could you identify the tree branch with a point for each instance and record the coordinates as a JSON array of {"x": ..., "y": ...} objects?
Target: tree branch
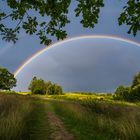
[{"x": 6, "y": 17}]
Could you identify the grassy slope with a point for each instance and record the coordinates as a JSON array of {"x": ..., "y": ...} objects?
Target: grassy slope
[
  {"x": 23, "y": 117},
  {"x": 88, "y": 117},
  {"x": 13, "y": 112}
]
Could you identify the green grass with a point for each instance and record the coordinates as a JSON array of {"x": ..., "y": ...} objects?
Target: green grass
[
  {"x": 23, "y": 118},
  {"x": 92, "y": 119},
  {"x": 37, "y": 126},
  {"x": 13, "y": 112},
  {"x": 80, "y": 97},
  {"x": 87, "y": 117}
]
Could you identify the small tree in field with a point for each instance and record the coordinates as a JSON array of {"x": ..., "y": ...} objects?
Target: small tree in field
[
  {"x": 54, "y": 89},
  {"x": 58, "y": 89},
  {"x": 7, "y": 80},
  {"x": 50, "y": 90},
  {"x": 37, "y": 86}
]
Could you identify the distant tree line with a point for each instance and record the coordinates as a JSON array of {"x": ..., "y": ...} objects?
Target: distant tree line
[
  {"x": 130, "y": 93},
  {"x": 39, "y": 86}
]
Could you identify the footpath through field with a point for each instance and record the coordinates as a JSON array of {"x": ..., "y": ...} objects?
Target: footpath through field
[{"x": 44, "y": 124}]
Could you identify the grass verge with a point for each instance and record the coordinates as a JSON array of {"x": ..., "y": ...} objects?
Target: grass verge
[{"x": 102, "y": 121}]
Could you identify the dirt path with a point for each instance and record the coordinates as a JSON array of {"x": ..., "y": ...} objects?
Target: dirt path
[{"x": 58, "y": 130}]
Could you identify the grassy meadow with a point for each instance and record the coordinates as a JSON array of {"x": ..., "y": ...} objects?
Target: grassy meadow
[{"x": 72, "y": 116}]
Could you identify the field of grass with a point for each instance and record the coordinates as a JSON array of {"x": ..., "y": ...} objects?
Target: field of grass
[
  {"x": 14, "y": 110},
  {"x": 67, "y": 117},
  {"x": 98, "y": 117}
]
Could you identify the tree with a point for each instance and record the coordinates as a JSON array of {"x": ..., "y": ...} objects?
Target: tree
[
  {"x": 122, "y": 93},
  {"x": 135, "y": 93},
  {"x": 37, "y": 86},
  {"x": 131, "y": 16},
  {"x": 55, "y": 17},
  {"x": 136, "y": 80},
  {"x": 54, "y": 89},
  {"x": 7, "y": 80},
  {"x": 131, "y": 93},
  {"x": 50, "y": 90},
  {"x": 58, "y": 89},
  {"x": 135, "y": 88},
  {"x": 48, "y": 84}
]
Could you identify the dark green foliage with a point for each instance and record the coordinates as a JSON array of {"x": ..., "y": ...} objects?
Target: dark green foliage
[
  {"x": 131, "y": 93},
  {"x": 54, "y": 89},
  {"x": 122, "y": 93},
  {"x": 131, "y": 16},
  {"x": 58, "y": 89},
  {"x": 7, "y": 80},
  {"x": 54, "y": 13},
  {"x": 136, "y": 80},
  {"x": 135, "y": 93},
  {"x": 39, "y": 86},
  {"x": 89, "y": 9}
]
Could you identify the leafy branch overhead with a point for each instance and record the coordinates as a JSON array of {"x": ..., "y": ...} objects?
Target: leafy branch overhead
[
  {"x": 131, "y": 16},
  {"x": 26, "y": 15}
]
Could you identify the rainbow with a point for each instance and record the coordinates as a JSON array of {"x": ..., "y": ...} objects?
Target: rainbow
[{"x": 69, "y": 40}]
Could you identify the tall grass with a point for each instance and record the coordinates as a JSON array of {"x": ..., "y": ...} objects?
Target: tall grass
[
  {"x": 13, "y": 112},
  {"x": 100, "y": 120},
  {"x": 37, "y": 125},
  {"x": 87, "y": 117}
]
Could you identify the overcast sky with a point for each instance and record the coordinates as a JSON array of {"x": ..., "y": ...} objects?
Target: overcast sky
[{"x": 76, "y": 64}]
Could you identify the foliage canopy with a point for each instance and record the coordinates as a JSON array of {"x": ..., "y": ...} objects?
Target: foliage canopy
[
  {"x": 54, "y": 15},
  {"x": 131, "y": 93},
  {"x": 39, "y": 86}
]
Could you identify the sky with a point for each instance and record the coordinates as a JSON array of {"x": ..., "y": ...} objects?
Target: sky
[{"x": 82, "y": 65}]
